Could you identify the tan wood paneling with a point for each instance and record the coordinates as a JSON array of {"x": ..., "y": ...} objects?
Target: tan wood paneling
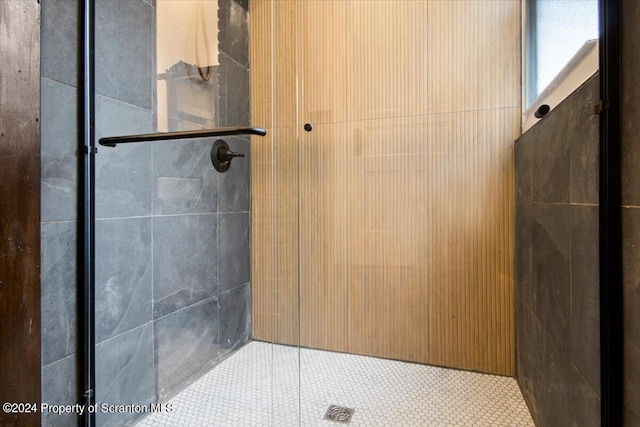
[
  {"x": 418, "y": 57},
  {"x": 386, "y": 58},
  {"x": 261, "y": 59},
  {"x": 274, "y": 243},
  {"x": 472, "y": 55},
  {"x": 470, "y": 219},
  {"x": 274, "y": 172},
  {"x": 323, "y": 39},
  {"x": 274, "y": 254},
  {"x": 323, "y": 237},
  {"x": 388, "y": 289},
  {"x": 404, "y": 188}
]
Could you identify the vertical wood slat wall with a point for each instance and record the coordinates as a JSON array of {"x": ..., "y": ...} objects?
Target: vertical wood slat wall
[{"x": 396, "y": 212}]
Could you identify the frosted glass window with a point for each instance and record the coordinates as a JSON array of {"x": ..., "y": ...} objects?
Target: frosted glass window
[{"x": 561, "y": 27}]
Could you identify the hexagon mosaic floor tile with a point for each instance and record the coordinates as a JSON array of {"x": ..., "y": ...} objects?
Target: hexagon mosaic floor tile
[{"x": 260, "y": 386}]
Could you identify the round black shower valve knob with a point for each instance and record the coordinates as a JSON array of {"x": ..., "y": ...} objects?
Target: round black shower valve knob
[
  {"x": 221, "y": 155},
  {"x": 308, "y": 127}
]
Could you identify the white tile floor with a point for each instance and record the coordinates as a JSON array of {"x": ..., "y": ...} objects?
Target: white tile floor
[{"x": 260, "y": 386}]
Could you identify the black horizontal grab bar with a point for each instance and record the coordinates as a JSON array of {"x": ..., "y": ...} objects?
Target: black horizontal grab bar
[{"x": 112, "y": 141}]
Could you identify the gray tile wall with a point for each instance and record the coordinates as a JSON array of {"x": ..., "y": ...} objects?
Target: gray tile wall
[
  {"x": 556, "y": 262},
  {"x": 631, "y": 207},
  {"x": 172, "y": 234}
]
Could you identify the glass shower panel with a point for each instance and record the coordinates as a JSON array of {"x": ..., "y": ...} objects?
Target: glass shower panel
[
  {"x": 176, "y": 339},
  {"x": 390, "y": 179},
  {"x": 406, "y": 212}
]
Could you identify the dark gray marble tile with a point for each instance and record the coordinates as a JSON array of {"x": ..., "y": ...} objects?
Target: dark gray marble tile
[
  {"x": 125, "y": 46},
  {"x": 551, "y": 157},
  {"x": 235, "y": 183},
  {"x": 551, "y": 239},
  {"x": 630, "y": 105},
  {"x": 185, "y": 346},
  {"x": 235, "y": 318},
  {"x": 585, "y": 403},
  {"x": 632, "y": 379},
  {"x": 524, "y": 164},
  {"x": 631, "y": 217},
  {"x": 185, "y": 180},
  {"x": 60, "y": 41},
  {"x": 58, "y": 290},
  {"x": 631, "y": 281},
  {"x": 631, "y": 416},
  {"x": 233, "y": 250},
  {"x": 125, "y": 374},
  {"x": 59, "y": 151},
  {"x": 553, "y": 386},
  {"x": 123, "y": 276},
  {"x": 529, "y": 338},
  {"x": 123, "y": 173},
  {"x": 585, "y": 293},
  {"x": 584, "y": 138},
  {"x": 60, "y": 387},
  {"x": 234, "y": 93},
  {"x": 233, "y": 30},
  {"x": 185, "y": 261},
  {"x": 523, "y": 253}
]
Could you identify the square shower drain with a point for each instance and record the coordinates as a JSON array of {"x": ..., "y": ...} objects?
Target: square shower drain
[{"x": 339, "y": 414}]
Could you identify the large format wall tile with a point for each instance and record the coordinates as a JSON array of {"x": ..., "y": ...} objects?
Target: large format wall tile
[
  {"x": 59, "y": 151},
  {"x": 125, "y": 374},
  {"x": 233, "y": 250},
  {"x": 630, "y": 151},
  {"x": 185, "y": 181},
  {"x": 124, "y": 68},
  {"x": 631, "y": 278},
  {"x": 59, "y": 51},
  {"x": 185, "y": 261},
  {"x": 185, "y": 343},
  {"x": 523, "y": 256},
  {"x": 233, "y": 36},
  {"x": 235, "y": 318},
  {"x": 123, "y": 276},
  {"x": 234, "y": 93},
  {"x": 529, "y": 332},
  {"x": 123, "y": 173},
  {"x": 585, "y": 143},
  {"x": 585, "y": 293},
  {"x": 552, "y": 383},
  {"x": 630, "y": 109},
  {"x": 551, "y": 239},
  {"x": 557, "y": 262},
  {"x": 59, "y": 387},
  {"x": 585, "y": 403},
  {"x": 59, "y": 293}
]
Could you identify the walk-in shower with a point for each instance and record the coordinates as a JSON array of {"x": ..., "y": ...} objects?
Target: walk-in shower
[{"x": 307, "y": 213}]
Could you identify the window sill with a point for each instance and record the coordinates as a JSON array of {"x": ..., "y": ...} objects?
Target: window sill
[{"x": 579, "y": 69}]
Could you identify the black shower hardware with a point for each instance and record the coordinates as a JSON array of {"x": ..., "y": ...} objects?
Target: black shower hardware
[
  {"x": 542, "y": 111},
  {"x": 221, "y": 155},
  {"x": 112, "y": 141}
]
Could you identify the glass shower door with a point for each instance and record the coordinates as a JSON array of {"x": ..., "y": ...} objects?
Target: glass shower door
[{"x": 176, "y": 340}]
